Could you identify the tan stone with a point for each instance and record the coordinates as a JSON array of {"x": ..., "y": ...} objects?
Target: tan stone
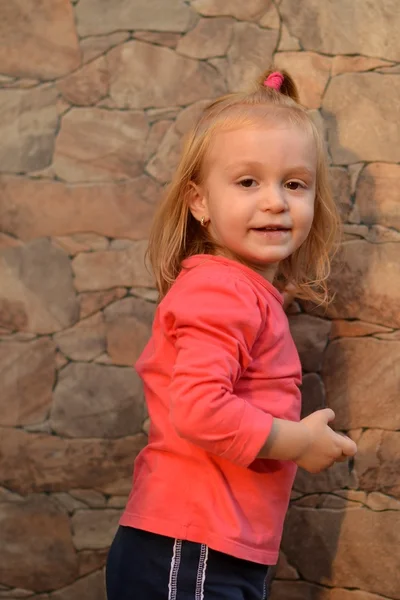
[
  {"x": 146, "y": 293},
  {"x": 270, "y": 18},
  {"x": 287, "y": 41},
  {"x": 377, "y": 234},
  {"x": 128, "y": 325},
  {"x": 158, "y": 114},
  {"x": 28, "y": 122},
  {"x": 301, "y": 590},
  {"x": 249, "y": 54},
  {"x": 252, "y": 10},
  {"x": 86, "y": 86},
  {"x": 91, "y": 560},
  {"x": 344, "y": 28},
  {"x": 90, "y": 497},
  {"x": 39, "y": 462},
  {"x": 343, "y": 328},
  {"x": 361, "y": 378},
  {"x": 172, "y": 80},
  {"x": 116, "y": 412},
  {"x": 340, "y": 183},
  {"x": 311, "y": 336},
  {"x": 378, "y": 462},
  {"x": 340, "y": 544},
  {"x": 392, "y": 70},
  {"x": 93, "y": 47},
  {"x": 365, "y": 281},
  {"x": 377, "y": 195},
  {"x": 210, "y": 37},
  {"x": 36, "y": 552},
  {"x": 378, "y": 501},
  {"x": 310, "y": 71},
  {"x": 105, "y": 270},
  {"x": 8, "y": 241},
  {"x": 91, "y": 302},
  {"x": 87, "y": 588},
  {"x": 346, "y": 64},
  {"x": 67, "y": 502},
  {"x": 29, "y": 47},
  {"x": 84, "y": 341},
  {"x": 96, "y": 17},
  {"x": 80, "y": 242},
  {"x": 157, "y": 132},
  {"x": 354, "y": 231},
  {"x": 38, "y": 208},
  {"x": 354, "y": 99},
  {"x": 313, "y": 394},
  {"x": 158, "y": 37},
  {"x": 100, "y": 145},
  {"x": 36, "y": 289},
  {"x": 392, "y": 336},
  {"x": 94, "y": 529},
  {"x": 27, "y": 372}
]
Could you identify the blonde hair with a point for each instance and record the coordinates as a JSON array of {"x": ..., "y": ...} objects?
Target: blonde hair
[{"x": 176, "y": 234}]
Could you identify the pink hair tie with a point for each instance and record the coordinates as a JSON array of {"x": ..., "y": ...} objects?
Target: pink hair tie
[{"x": 274, "y": 80}]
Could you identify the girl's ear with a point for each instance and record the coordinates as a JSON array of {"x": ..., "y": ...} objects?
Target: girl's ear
[{"x": 197, "y": 202}]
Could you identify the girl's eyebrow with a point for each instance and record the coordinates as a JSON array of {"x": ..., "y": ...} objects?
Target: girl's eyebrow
[{"x": 299, "y": 170}]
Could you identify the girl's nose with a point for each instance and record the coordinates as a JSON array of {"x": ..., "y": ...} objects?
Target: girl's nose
[{"x": 273, "y": 199}]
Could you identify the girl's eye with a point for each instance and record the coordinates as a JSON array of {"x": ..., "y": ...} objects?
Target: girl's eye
[
  {"x": 294, "y": 185},
  {"x": 247, "y": 183}
]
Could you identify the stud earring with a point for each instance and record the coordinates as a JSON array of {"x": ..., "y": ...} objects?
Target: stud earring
[{"x": 203, "y": 221}]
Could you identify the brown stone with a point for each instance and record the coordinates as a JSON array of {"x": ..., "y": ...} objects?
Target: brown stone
[
  {"x": 84, "y": 341},
  {"x": 310, "y": 71},
  {"x": 313, "y": 394},
  {"x": 392, "y": 336},
  {"x": 172, "y": 80},
  {"x": 158, "y": 131},
  {"x": 159, "y": 114},
  {"x": 36, "y": 289},
  {"x": 29, "y": 47},
  {"x": 340, "y": 183},
  {"x": 67, "y": 502},
  {"x": 361, "y": 378},
  {"x": 354, "y": 232},
  {"x": 100, "y": 145},
  {"x": 94, "y": 529},
  {"x": 92, "y": 47},
  {"x": 92, "y": 302},
  {"x": 101, "y": 16},
  {"x": 378, "y": 501},
  {"x": 90, "y": 497},
  {"x": 287, "y": 42},
  {"x": 128, "y": 324},
  {"x": 27, "y": 372},
  {"x": 38, "y": 208},
  {"x": 81, "y": 242},
  {"x": 210, "y": 37},
  {"x": 355, "y": 98},
  {"x": 8, "y": 241},
  {"x": 377, "y": 196},
  {"x": 159, "y": 37},
  {"x": 105, "y": 270},
  {"x": 250, "y": 53},
  {"x": 334, "y": 478},
  {"x": 311, "y": 336},
  {"x": 252, "y": 10},
  {"x": 87, "y": 588},
  {"x": 28, "y": 122},
  {"x": 339, "y": 546},
  {"x": 91, "y": 560},
  {"x": 343, "y": 328},
  {"x": 43, "y": 463},
  {"x": 86, "y": 86},
  {"x": 377, "y": 234},
  {"x": 346, "y": 64},
  {"x": 378, "y": 462},
  {"x": 365, "y": 281},
  {"x": 301, "y": 590},
  {"x": 342, "y": 28},
  {"x": 117, "y": 410},
  {"x": 36, "y": 550},
  {"x": 271, "y": 18},
  {"x": 284, "y": 569}
]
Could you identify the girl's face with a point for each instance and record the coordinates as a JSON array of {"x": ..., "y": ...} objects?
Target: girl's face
[{"x": 258, "y": 193}]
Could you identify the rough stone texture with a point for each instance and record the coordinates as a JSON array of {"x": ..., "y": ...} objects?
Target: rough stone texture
[
  {"x": 36, "y": 291},
  {"x": 91, "y": 560},
  {"x": 340, "y": 27},
  {"x": 313, "y": 394},
  {"x": 346, "y": 64},
  {"x": 288, "y": 590},
  {"x": 36, "y": 550},
  {"x": 28, "y": 121},
  {"x": 27, "y": 372},
  {"x": 311, "y": 336},
  {"x": 92, "y": 302},
  {"x": 343, "y": 328},
  {"x": 88, "y": 588},
  {"x": 158, "y": 37},
  {"x": 340, "y": 545},
  {"x": 37, "y": 208},
  {"x": 97, "y": 17},
  {"x": 377, "y": 198},
  {"x": 43, "y": 463},
  {"x": 92, "y": 47},
  {"x": 29, "y": 47},
  {"x": 94, "y": 529},
  {"x": 86, "y": 86},
  {"x": 100, "y": 145},
  {"x": 311, "y": 72},
  {"x": 340, "y": 182},
  {"x": 97, "y": 401},
  {"x": 378, "y": 461},
  {"x": 252, "y": 10},
  {"x": 356, "y": 98},
  {"x": 84, "y": 341},
  {"x": 172, "y": 80},
  {"x": 210, "y": 37},
  {"x": 361, "y": 378}
]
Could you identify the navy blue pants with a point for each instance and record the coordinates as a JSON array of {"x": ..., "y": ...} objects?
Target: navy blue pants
[{"x": 147, "y": 566}]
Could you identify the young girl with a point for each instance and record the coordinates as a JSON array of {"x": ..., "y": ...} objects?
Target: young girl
[{"x": 248, "y": 209}]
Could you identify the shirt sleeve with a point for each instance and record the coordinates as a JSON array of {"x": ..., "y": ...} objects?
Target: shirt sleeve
[{"x": 214, "y": 323}]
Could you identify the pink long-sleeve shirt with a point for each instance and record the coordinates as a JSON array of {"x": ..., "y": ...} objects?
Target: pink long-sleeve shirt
[{"x": 220, "y": 365}]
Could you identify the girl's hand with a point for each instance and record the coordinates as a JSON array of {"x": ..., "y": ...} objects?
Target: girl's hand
[{"x": 325, "y": 446}]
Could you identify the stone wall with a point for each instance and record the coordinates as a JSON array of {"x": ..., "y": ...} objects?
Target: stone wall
[{"x": 95, "y": 97}]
